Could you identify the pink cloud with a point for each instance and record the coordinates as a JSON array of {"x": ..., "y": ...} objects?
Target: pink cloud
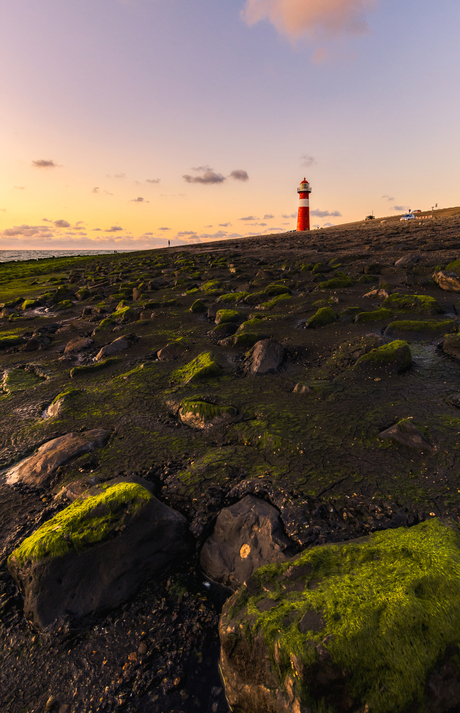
[{"x": 314, "y": 18}]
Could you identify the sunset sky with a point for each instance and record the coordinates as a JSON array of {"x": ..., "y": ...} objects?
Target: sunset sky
[{"x": 125, "y": 123}]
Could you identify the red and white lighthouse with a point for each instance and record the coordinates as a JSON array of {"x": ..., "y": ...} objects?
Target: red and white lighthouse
[{"x": 303, "y": 215}]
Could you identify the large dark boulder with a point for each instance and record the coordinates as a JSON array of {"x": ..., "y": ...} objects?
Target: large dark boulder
[
  {"x": 371, "y": 625},
  {"x": 95, "y": 553},
  {"x": 246, "y": 536}
]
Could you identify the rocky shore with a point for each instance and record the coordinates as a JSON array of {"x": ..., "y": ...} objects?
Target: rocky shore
[{"x": 174, "y": 419}]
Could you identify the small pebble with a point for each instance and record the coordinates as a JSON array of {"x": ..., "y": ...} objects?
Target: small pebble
[
  {"x": 51, "y": 702},
  {"x": 142, "y": 648}
]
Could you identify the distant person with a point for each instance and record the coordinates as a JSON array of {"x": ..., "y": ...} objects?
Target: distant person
[{"x": 169, "y": 243}]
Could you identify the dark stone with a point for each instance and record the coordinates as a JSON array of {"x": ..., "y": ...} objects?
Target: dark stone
[
  {"x": 405, "y": 433},
  {"x": 246, "y": 536},
  {"x": 266, "y": 358},
  {"x": 105, "y": 574}
]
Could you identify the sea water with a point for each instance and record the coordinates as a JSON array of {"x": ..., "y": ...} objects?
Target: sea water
[{"x": 10, "y": 255}]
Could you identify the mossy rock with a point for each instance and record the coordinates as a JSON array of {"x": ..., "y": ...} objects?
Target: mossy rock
[
  {"x": 227, "y": 315},
  {"x": 375, "y": 316},
  {"x": 63, "y": 305},
  {"x": 348, "y": 354},
  {"x": 339, "y": 281},
  {"x": 30, "y": 304},
  {"x": 95, "y": 553},
  {"x": 204, "y": 366},
  {"x": 247, "y": 339},
  {"x": 419, "y": 329},
  {"x": 324, "y": 316},
  {"x": 20, "y": 379},
  {"x": 121, "y": 314},
  {"x": 198, "y": 307},
  {"x": 10, "y": 340},
  {"x": 419, "y": 304},
  {"x": 451, "y": 345},
  {"x": 201, "y": 414},
  {"x": 89, "y": 369},
  {"x": 356, "y": 626},
  {"x": 275, "y": 289},
  {"x": 392, "y": 358},
  {"x": 81, "y": 525},
  {"x": 276, "y": 301},
  {"x": 224, "y": 330},
  {"x": 233, "y": 297}
]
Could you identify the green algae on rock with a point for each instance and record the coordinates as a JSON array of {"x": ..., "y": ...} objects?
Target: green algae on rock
[
  {"x": 394, "y": 357},
  {"x": 95, "y": 553},
  {"x": 420, "y": 304},
  {"x": 227, "y": 315},
  {"x": 419, "y": 329},
  {"x": 82, "y": 524},
  {"x": 198, "y": 307},
  {"x": 339, "y": 281},
  {"x": 199, "y": 413},
  {"x": 374, "y": 316},
  {"x": 324, "y": 316},
  {"x": 204, "y": 366},
  {"x": 359, "y": 625},
  {"x": 87, "y": 369}
]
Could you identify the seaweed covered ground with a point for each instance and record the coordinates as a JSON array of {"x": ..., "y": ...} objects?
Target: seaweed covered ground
[{"x": 158, "y": 348}]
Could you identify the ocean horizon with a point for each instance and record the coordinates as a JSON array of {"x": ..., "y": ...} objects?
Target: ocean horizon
[{"x": 22, "y": 255}]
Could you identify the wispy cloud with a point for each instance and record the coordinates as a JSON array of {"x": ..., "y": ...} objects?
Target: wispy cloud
[
  {"x": 388, "y": 198},
  {"x": 248, "y": 217},
  {"x": 44, "y": 163},
  {"x": 116, "y": 175},
  {"x": 208, "y": 177},
  {"x": 268, "y": 216},
  {"x": 139, "y": 199},
  {"x": 113, "y": 229},
  {"x": 95, "y": 190},
  {"x": 224, "y": 225},
  {"x": 152, "y": 180},
  {"x": 61, "y": 224},
  {"x": 311, "y": 18},
  {"x": 20, "y": 188},
  {"x": 164, "y": 228},
  {"x": 400, "y": 208},
  {"x": 326, "y": 213}
]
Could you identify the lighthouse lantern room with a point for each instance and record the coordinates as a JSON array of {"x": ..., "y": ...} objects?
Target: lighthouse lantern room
[{"x": 303, "y": 215}]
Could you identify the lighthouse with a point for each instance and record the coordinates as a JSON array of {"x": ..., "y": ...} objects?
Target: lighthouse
[{"x": 303, "y": 215}]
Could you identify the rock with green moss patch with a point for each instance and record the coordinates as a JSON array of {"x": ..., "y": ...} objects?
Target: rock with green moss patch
[
  {"x": 89, "y": 369},
  {"x": 324, "y": 316},
  {"x": 375, "y": 316},
  {"x": 10, "y": 340},
  {"x": 227, "y": 315},
  {"x": 419, "y": 329},
  {"x": 198, "y": 307},
  {"x": 94, "y": 554},
  {"x": 59, "y": 402},
  {"x": 201, "y": 414},
  {"x": 419, "y": 304},
  {"x": 204, "y": 366},
  {"x": 118, "y": 345},
  {"x": 367, "y": 625},
  {"x": 339, "y": 281},
  {"x": 389, "y": 359},
  {"x": 40, "y": 468},
  {"x": 451, "y": 345}
]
